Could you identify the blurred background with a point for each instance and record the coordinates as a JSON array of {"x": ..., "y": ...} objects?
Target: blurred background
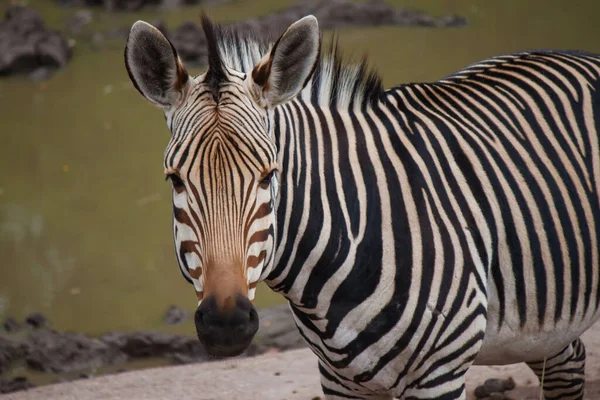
[{"x": 85, "y": 212}]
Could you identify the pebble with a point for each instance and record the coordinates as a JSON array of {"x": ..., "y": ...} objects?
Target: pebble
[
  {"x": 36, "y": 320},
  {"x": 176, "y": 315},
  {"x": 493, "y": 385},
  {"x": 40, "y": 74},
  {"x": 11, "y": 325}
]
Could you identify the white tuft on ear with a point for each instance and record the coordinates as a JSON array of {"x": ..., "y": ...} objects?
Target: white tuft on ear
[
  {"x": 282, "y": 73},
  {"x": 154, "y": 67}
]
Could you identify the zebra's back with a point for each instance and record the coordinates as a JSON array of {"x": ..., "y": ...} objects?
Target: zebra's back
[{"x": 512, "y": 142}]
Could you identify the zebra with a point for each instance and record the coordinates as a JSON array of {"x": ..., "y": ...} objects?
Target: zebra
[{"x": 414, "y": 231}]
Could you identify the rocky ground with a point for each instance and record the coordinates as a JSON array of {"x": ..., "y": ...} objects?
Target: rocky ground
[
  {"x": 69, "y": 355},
  {"x": 273, "y": 373},
  {"x": 290, "y": 375},
  {"x": 27, "y": 46}
]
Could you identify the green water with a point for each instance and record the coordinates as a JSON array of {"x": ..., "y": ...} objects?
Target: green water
[{"x": 85, "y": 213}]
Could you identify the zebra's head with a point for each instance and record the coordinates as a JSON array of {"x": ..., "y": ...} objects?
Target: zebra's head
[{"x": 222, "y": 163}]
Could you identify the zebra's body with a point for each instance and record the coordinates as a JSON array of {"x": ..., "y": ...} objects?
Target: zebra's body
[
  {"x": 468, "y": 188},
  {"x": 414, "y": 231}
]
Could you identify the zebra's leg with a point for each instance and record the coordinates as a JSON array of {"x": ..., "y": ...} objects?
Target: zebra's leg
[
  {"x": 564, "y": 375},
  {"x": 336, "y": 389}
]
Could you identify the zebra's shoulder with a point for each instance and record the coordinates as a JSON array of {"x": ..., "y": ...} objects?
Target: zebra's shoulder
[{"x": 548, "y": 58}]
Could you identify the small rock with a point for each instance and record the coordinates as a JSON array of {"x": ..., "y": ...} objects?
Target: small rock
[
  {"x": 11, "y": 325},
  {"x": 176, "y": 315},
  {"x": 78, "y": 21},
  {"x": 509, "y": 384},
  {"x": 494, "y": 385},
  {"x": 480, "y": 392},
  {"x": 40, "y": 74},
  {"x": 15, "y": 384},
  {"x": 36, "y": 320},
  {"x": 26, "y": 44}
]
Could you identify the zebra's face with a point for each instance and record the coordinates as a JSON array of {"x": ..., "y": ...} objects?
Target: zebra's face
[
  {"x": 222, "y": 163},
  {"x": 222, "y": 166}
]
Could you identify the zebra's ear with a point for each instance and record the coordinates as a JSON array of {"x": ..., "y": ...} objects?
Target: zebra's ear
[
  {"x": 154, "y": 67},
  {"x": 282, "y": 73}
]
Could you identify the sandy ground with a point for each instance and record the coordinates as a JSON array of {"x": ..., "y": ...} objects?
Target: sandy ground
[{"x": 285, "y": 376}]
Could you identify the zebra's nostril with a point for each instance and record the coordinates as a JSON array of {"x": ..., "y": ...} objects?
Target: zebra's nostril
[
  {"x": 253, "y": 316},
  {"x": 199, "y": 319}
]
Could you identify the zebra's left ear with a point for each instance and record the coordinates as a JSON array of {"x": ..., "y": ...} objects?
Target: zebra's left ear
[
  {"x": 154, "y": 67},
  {"x": 282, "y": 73}
]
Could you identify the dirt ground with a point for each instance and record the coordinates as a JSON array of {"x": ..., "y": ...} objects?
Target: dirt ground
[{"x": 290, "y": 375}]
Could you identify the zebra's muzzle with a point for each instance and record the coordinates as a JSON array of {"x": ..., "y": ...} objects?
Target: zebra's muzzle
[{"x": 226, "y": 333}]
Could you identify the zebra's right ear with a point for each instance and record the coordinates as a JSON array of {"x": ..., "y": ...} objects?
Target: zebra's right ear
[
  {"x": 280, "y": 75},
  {"x": 154, "y": 67}
]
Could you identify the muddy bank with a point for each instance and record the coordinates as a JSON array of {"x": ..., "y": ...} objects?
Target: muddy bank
[
  {"x": 70, "y": 355},
  {"x": 188, "y": 38},
  {"x": 135, "y": 5},
  {"x": 292, "y": 375},
  {"x": 190, "y": 42},
  {"x": 28, "y": 47}
]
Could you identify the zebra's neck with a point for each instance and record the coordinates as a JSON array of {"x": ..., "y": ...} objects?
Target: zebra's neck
[{"x": 323, "y": 204}]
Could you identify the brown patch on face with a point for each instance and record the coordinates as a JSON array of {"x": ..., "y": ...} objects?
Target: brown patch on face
[
  {"x": 225, "y": 281},
  {"x": 189, "y": 246},
  {"x": 262, "y": 212},
  {"x": 195, "y": 273},
  {"x": 254, "y": 261}
]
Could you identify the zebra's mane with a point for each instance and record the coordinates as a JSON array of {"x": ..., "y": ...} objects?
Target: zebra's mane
[{"x": 336, "y": 81}]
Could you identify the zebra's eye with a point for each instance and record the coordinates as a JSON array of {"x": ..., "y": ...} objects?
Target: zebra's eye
[
  {"x": 178, "y": 184},
  {"x": 266, "y": 181}
]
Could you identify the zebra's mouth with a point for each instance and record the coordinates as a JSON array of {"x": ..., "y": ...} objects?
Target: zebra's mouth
[{"x": 226, "y": 333}]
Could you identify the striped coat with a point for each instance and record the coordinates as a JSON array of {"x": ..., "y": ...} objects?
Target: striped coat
[{"x": 415, "y": 231}]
